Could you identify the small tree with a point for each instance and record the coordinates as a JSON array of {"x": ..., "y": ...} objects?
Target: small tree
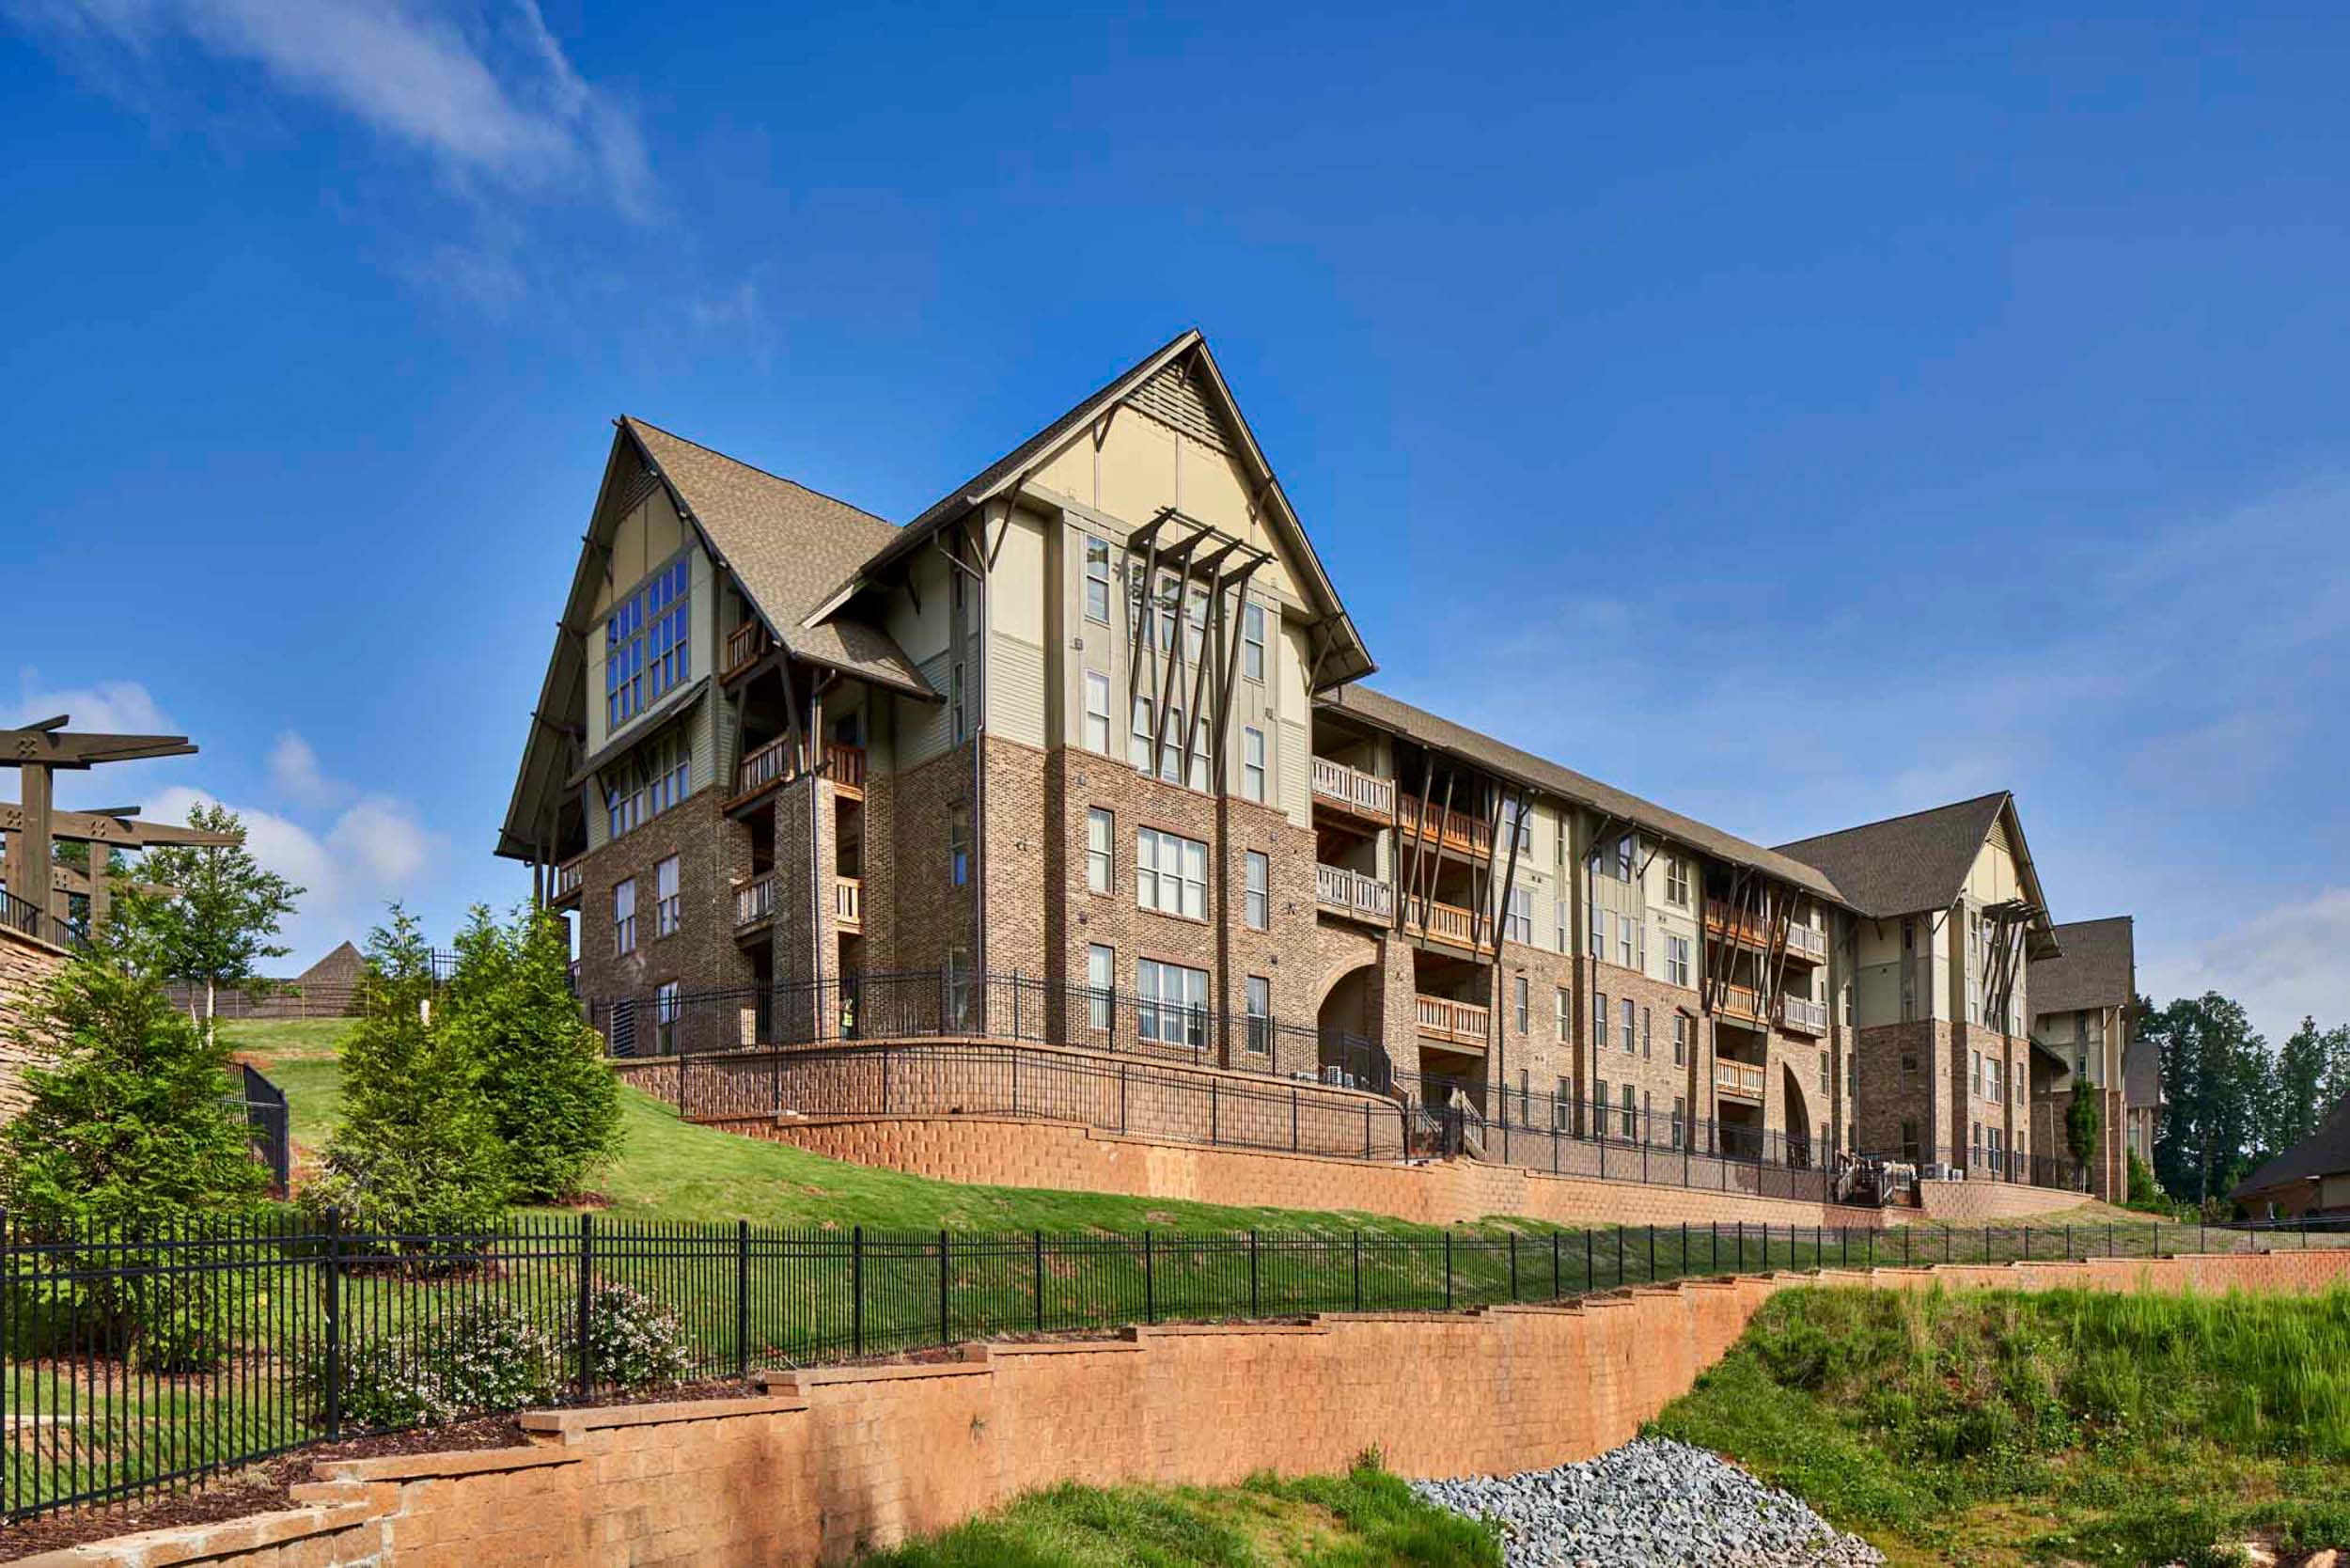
[
  {"x": 216, "y": 926},
  {"x": 553, "y": 1104},
  {"x": 2083, "y": 1123},
  {"x": 2145, "y": 1192},
  {"x": 129, "y": 1138},
  {"x": 416, "y": 1155}
]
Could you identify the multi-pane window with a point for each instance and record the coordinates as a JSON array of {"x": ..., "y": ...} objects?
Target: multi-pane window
[
  {"x": 1646, "y": 1043},
  {"x": 1251, "y": 763},
  {"x": 665, "y": 1012},
  {"x": 1558, "y": 922},
  {"x": 1171, "y": 873},
  {"x": 1170, "y": 1003},
  {"x": 1974, "y": 1075},
  {"x": 1100, "y": 980},
  {"x": 958, "y": 846},
  {"x": 1525, "y": 1020},
  {"x": 1599, "y": 1105},
  {"x": 1517, "y": 826},
  {"x": 1677, "y": 882},
  {"x": 1138, "y": 743},
  {"x": 1599, "y": 931},
  {"x": 1517, "y": 923},
  {"x": 1909, "y": 1139},
  {"x": 1097, "y": 712},
  {"x": 1599, "y": 1020},
  {"x": 1627, "y": 856},
  {"x": 1257, "y": 906},
  {"x": 1566, "y": 1022},
  {"x": 1680, "y": 1038},
  {"x": 1824, "y": 1070},
  {"x": 1258, "y": 997},
  {"x": 961, "y": 713},
  {"x": 668, "y": 908},
  {"x": 654, "y": 779},
  {"x": 624, "y": 916},
  {"x": 1099, "y": 826},
  {"x": 1559, "y": 1104},
  {"x": 1625, "y": 1018},
  {"x": 645, "y": 645},
  {"x": 1252, "y": 642},
  {"x": 1681, "y": 1111},
  {"x": 1677, "y": 960},
  {"x": 1631, "y": 1117},
  {"x": 1628, "y": 941},
  {"x": 1097, "y": 579}
]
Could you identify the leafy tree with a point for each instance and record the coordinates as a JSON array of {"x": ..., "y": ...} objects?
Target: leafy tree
[
  {"x": 129, "y": 1138},
  {"x": 553, "y": 1104},
  {"x": 2145, "y": 1193},
  {"x": 2222, "y": 1088},
  {"x": 215, "y": 929},
  {"x": 2301, "y": 1075},
  {"x": 2083, "y": 1121},
  {"x": 417, "y": 1154}
]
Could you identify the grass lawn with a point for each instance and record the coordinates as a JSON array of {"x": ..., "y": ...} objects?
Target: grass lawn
[
  {"x": 2061, "y": 1427},
  {"x": 1365, "y": 1519}
]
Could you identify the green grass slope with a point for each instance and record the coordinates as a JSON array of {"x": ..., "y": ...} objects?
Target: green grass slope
[{"x": 2061, "y": 1427}]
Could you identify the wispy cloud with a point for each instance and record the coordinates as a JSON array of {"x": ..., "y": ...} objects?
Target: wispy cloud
[
  {"x": 487, "y": 95},
  {"x": 108, "y": 707}
]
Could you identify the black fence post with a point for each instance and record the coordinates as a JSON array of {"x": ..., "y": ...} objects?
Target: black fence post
[
  {"x": 1038, "y": 1271},
  {"x": 1292, "y": 1121},
  {"x": 586, "y": 1285},
  {"x": 856, "y": 1290},
  {"x": 1255, "y": 1305},
  {"x": 1213, "y": 1128},
  {"x": 1358, "y": 1271},
  {"x": 1150, "y": 1283},
  {"x": 333, "y": 1293},
  {"x": 1448, "y": 1269},
  {"x": 1588, "y": 1283},
  {"x": 743, "y": 1300},
  {"x": 1513, "y": 1265},
  {"x": 1652, "y": 1254},
  {"x": 945, "y": 1324}
]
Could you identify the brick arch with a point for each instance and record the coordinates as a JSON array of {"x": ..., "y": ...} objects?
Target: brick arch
[{"x": 1336, "y": 968}]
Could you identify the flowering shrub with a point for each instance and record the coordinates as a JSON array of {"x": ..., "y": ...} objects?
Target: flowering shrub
[
  {"x": 633, "y": 1341},
  {"x": 484, "y": 1356}
]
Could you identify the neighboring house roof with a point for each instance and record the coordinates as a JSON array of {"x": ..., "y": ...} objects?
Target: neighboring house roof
[
  {"x": 1911, "y": 864},
  {"x": 2142, "y": 1075},
  {"x": 341, "y": 966},
  {"x": 788, "y": 545},
  {"x": 1385, "y": 713},
  {"x": 2098, "y": 968},
  {"x": 2323, "y": 1152}
]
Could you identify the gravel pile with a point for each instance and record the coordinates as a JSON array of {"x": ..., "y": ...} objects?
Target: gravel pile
[{"x": 1650, "y": 1501}]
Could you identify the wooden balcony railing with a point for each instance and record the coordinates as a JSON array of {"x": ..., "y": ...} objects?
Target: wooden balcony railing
[
  {"x": 1447, "y": 923},
  {"x": 1741, "y": 1079},
  {"x": 1801, "y": 1016},
  {"x": 1454, "y": 829},
  {"x": 1462, "y": 1023},
  {"x": 1806, "y": 943},
  {"x": 848, "y": 901},
  {"x": 1353, "y": 790},
  {"x": 1739, "y": 1001},
  {"x": 777, "y": 762},
  {"x": 567, "y": 880},
  {"x": 745, "y": 646},
  {"x": 1354, "y": 894},
  {"x": 844, "y": 765},
  {"x": 755, "y": 899}
]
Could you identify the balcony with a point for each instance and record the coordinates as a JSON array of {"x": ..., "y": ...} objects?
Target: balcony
[
  {"x": 1353, "y": 895},
  {"x": 754, "y": 901},
  {"x": 777, "y": 763},
  {"x": 1801, "y": 1016},
  {"x": 1447, "y": 923},
  {"x": 1453, "y": 830},
  {"x": 848, "y": 902},
  {"x": 1740, "y": 1080},
  {"x": 1739, "y": 1002},
  {"x": 565, "y": 891},
  {"x": 1805, "y": 944},
  {"x": 1454, "y": 1023},
  {"x": 745, "y": 646},
  {"x": 1354, "y": 793}
]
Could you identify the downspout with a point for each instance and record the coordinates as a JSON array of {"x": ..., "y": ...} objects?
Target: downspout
[
  {"x": 977, "y": 694},
  {"x": 818, "y": 883}
]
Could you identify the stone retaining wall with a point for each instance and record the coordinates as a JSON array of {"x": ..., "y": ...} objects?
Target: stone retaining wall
[
  {"x": 1990, "y": 1202},
  {"x": 824, "y": 1463},
  {"x": 25, "y": 966}
]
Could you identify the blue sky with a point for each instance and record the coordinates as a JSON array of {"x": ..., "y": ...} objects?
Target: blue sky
[{"x": 1798, "y": 416}]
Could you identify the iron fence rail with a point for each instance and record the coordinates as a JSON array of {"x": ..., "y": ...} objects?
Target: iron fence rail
[{"x": 137, "y": 1362}]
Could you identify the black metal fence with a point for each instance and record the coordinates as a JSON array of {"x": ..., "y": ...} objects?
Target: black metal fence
[
  {"x": 134, "y": 1363},
  {"x": 27, "y": 919},
  {"x": 268, "y": 1116}
]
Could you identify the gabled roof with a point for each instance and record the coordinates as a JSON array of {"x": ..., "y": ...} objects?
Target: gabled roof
[
  {"x": 1911, "y": 864},
  {"x": 1385, "y": 713},
  {"x": 2323, "y": 1152},
  {"x": 2097, "y": 967},
  {"x": 786, "y": 545},
  {"x": 1343, "y": 656}
]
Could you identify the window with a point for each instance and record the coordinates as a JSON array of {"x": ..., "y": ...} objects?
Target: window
[
  {"x": 1648, "y": 1117},
  {"x": 959, "y": 995},
  {"x": 1628, "y": 943},
  {"x": 1625, "y": 1015},
  {"x": 1524, "y": 1012},
  {"x": 1558, "y": 1103},
  {"x": 1627, "y": 856},
  {"x": 645, "y": 644},
  {"x": 1097, "y": 712},
  {"x": 958, "y": 846},
  {"x": 1824, "y": 1071},
  {"x": 1680, "y": 1039},
  {"x": 1517, "y": 924},
  {"x": 1252, "y": 642},
  {"x": 665, "y": 1012},
  {"x": 1599, "y": 1108},
  {"x": 1599, "y": 931},
  {"x": 1097, "y": 579},
  {"x": 1138, "y": 745},
  {"x": 1677, "y": 960},
  {"x": 1909, "y": 1139},
  {"x": 1558, "y": 921},
  {"x": 1517, "y": 826},
  {"x": 1677, "y": 882},
  {"x": 1680, "y": 1112},
  {"x": 650, "y": 782},
  {"x": 1258, "y": 900},
  {"x": 1644, "y": 1035},
  {"x": 1565, "y": 1020},
  {"x": 1259, "y": 1004},
  {"x": 1101, "y": 979},
  {"x": 1975, "y": 1075},
  {"x": 1170, "y": 1004},
  {"x": 963, "y": 723},
  {"x": 1977, "y": 1142},
  {"x": 1631, "y": 1123},
  {"x": 1251, "y": 763},
  {"x": 624, "y": 916},
  {"x": 1599, "y": 1022},
  {"x": 1170, "y": 874},
  {"x": 667, "y": 907},
  {"x": 1099, "y": 824}
]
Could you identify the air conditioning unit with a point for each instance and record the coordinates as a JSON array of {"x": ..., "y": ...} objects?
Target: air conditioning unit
[{"x": 1334, "y": 1074}]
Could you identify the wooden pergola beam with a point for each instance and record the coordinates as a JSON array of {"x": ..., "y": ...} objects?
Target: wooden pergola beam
[
  {"x": 47, "y": 744},
  {"x": 95, "y": 827}
]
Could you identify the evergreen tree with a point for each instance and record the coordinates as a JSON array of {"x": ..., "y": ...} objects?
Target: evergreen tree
[
  {"x": 2223, "y": 1091},
  {"x": 417, "y": 1152},
  {"x": 2301, "y": 1074},
  {"x": 553, "y": 1103},
  {"x": 2083, "y": 1123}
]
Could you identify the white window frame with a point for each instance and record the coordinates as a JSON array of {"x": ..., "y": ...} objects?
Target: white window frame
[
  {"x": 1517, "y": 921},
  {"x": 1252, "y": 764},
  {"x": 624, "y": 916},
  {"x": 668, "y": 906},
  {"x": 1626, "y": 1011},
  {"x": 1101, "y": 857},
  {"x": 1097, "y": 570},
  {"x": 1257, "y": 1008},
  {"x": 1252, "y": 640},
  {"x": 1100, "y": 987},
  {"x": 1256, "y": 884},
  {"x": 1677, "y": 960},
  {"x": 1138, "y": 736},
  {"x": 1170, "y": 1003},
  {"x": 664, "y": 1014},
  {"x": 1097, "y": 716},
  {"x": 1170, "y": 874}
]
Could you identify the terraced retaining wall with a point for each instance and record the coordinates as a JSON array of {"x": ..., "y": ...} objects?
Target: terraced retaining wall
[{"x": 822, "y": 1462}]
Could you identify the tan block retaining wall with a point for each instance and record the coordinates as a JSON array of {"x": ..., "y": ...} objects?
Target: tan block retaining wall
[
  {"x": 1990, "y": 1202},
  {"x": 825, "y": 1462},
  {"x": 25, "y": 966}
]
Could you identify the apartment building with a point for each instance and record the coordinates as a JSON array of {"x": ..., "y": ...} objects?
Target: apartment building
[
  {"x": 2084, "y": 1018},
  {"x": 1096, "y": 719}
]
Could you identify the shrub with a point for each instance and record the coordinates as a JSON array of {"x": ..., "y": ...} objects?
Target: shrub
[
  {"x": 633, "y": 1342},
  {"x": 486, "y": 1357}
]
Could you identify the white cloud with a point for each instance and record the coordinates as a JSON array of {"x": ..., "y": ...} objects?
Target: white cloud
[
  {"x": 488, "y": 95},
  {"x": 2283, "y": 963},
  {"x": 107, "y": 707},
  {"x": 382, "y": 839},
  {"x": 293, "y": 768}
]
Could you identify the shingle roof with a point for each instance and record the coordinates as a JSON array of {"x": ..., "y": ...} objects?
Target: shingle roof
[
  {"x": 1904, "y": 865},
  {"x": 2323, "y": 1152},
  {"x": 789, "y": 546},
  {"x": 1387, "y": 713},
  {"x": 2098, "y": 968}
]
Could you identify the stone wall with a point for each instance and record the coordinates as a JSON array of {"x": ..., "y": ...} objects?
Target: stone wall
[
  {"x": 824, "y": 1464},
  {"x": 25, "y": 966},
  {"x": 1987, "y": 1203}
]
